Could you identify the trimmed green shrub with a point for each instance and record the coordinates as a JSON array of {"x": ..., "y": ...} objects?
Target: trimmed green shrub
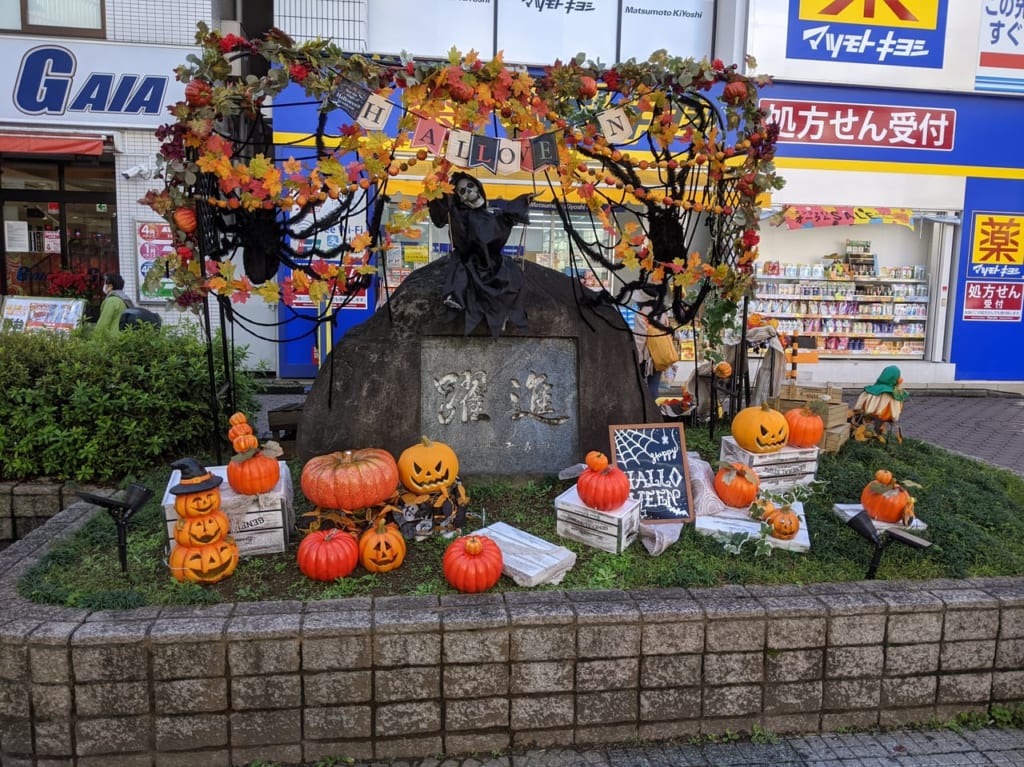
[{"x": 100, "y": 410}]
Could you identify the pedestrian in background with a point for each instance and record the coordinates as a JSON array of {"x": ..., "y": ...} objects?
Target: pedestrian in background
[{"x": 115, "y": 302}]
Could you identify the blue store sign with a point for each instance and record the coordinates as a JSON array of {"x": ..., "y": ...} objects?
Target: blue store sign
[{"x": 900, "y": 33}]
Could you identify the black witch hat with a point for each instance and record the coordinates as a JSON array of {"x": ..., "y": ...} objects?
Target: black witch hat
[{"x": 195, "y": 478}]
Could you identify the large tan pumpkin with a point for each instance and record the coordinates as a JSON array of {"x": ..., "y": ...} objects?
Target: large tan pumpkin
[{"x": 353, "y": 479}]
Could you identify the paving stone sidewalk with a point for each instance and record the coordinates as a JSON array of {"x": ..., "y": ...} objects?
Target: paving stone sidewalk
[{"x": 904, "y": 748}]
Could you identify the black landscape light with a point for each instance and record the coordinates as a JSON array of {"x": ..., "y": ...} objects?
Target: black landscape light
[
  {"x": 135, "y": 497},
  {"x": 862, "y": 524}
]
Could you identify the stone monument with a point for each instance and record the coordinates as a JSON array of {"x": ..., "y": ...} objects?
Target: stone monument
[{"x": 526, "y": 403}]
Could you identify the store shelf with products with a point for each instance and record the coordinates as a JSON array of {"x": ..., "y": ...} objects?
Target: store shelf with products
[{"x": 850, "y": 307}]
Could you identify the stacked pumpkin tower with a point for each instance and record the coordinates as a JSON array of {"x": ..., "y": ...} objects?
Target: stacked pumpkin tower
[{"x": 204, "y": 551}]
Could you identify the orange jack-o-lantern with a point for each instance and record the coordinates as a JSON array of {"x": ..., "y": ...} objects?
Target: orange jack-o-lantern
[
  {"x": 785, "y": 524},
  {"x": 202, "y": 530},
  {"x": 204, "y": 564},
  {"x": 197, "y": 504},
  {"x": 382, "y": 547},
  {"x": 428, "y": 467},
  {"x": 760, "y": 429}
]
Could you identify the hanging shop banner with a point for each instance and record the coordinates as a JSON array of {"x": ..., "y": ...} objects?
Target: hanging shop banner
[
  {"x": 868, "y": 125},
  {"x": 899, "y": 33},
  {"x": 539, "y": 31},
  {"x": 997, "y": 246},
  {"x": 993, "y": 301},
  {"x": 88, "y": 83},
  {"x": 153, "y": 240},
  {"x": 685, "y": 27},
  {"x": 813, "y": 216},
  {"x": 1001, "y": 47},
  {"x": 39, "y": 313}
]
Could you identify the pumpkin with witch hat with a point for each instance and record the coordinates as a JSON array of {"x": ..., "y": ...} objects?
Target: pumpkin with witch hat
[{"x": 204, "y": 552}]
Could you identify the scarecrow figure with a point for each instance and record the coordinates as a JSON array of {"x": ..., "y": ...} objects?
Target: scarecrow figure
[
  {"x": 879, "y": 406},
  {"x": 481, "y": 282}
]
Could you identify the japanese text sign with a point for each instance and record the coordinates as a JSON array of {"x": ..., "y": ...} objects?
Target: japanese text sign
[
  {"x": 902, "y": 33},
  {"x": 993, "y": 301},
  {"x": 874, "y": 125},
  {"x": 1001, "y": 47},
  {"x": 997, "y": 246}
]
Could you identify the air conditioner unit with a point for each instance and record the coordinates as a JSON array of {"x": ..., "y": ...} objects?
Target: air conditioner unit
[{"x": 239, "y": 64}]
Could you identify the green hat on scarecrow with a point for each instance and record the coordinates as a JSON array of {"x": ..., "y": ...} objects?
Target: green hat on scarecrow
[{"x": 889, "y": 382}]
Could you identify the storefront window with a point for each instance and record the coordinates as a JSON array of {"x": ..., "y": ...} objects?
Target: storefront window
[
  {"x": 70, "y": 17},
  {"x": 58, "y": 218}
]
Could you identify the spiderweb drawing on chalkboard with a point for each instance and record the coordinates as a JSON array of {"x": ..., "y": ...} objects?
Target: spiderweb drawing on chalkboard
[{"x": 631, "y": 445}]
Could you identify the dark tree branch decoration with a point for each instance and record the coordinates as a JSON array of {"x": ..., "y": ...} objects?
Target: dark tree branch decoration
[{"x": 655, "y": 150}]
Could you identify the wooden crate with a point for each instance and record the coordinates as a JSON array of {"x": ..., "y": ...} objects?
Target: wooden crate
[
  {"x": 777, "y": 471},
  {"x": 836, "y": 412},
  {"x": 793, "y": 395},
  {"x": 835, "y": 438},
  {"x": 260, "y": 524},
  {"x": 736, "y": 521},
  {"x": 611, "y": 531},
  {"x": 804, "y": 393}
]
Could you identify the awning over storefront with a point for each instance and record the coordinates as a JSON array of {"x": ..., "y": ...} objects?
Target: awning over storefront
[{"x": 51, "y": 143}]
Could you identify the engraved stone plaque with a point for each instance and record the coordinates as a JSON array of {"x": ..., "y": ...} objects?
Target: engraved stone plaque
[{"x": 501, "y": 402}]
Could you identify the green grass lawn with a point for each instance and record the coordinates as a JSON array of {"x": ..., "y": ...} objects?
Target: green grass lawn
[{"x": 974, "y": 513}]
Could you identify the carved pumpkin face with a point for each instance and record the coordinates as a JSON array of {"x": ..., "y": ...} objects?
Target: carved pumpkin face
[
  {"x": 204, "y": 564},
  {"x": 382, "y": 548},
  {"x": 785, "y": 524},
  {"x": 428, "y": 467},
  {"x": 760, "y": 429},
  {"x": 200, "y": 531},
  {"x": 197, "y": 504}
]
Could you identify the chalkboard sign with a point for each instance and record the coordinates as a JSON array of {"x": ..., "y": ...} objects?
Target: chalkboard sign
[{"x": 653, "y": 456}]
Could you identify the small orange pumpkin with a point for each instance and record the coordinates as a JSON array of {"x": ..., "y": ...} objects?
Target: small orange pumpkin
[
  {"x": 237, "y": 418},
  {"x": 885, "y": 501},
  {"x": 760, "y": 429},
  {"x": 256, "y": 474},
  {"x": 723, "y": 370},
  {"x": 238, "y": 430},
  {"x": 382, "y": 547},
  {"x": 596, "y": 460},
  {"x": 185, "y": 220},
  {"x": 244, "y": 442},
  {"x": 736, "y": 484},
  {"x": 472, "y": 563},
  {"x": 785, "y": 524},
  {"x": 325, "y": 555},
  {"x": 805, "y": 427}
]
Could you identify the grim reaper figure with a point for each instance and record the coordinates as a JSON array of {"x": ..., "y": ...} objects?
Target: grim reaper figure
[{"x": 480, "y": 282}]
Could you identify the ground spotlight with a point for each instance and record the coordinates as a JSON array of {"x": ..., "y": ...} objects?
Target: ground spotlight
[
  {"x": 862, "y": 524},
  {"x": 135, "y": 497}
]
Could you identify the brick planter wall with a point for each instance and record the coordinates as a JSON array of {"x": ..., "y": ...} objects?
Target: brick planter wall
[{"x": 414, "y": 677}]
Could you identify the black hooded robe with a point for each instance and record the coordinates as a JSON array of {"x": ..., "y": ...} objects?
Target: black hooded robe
[{"x": 488, "y": 285}]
